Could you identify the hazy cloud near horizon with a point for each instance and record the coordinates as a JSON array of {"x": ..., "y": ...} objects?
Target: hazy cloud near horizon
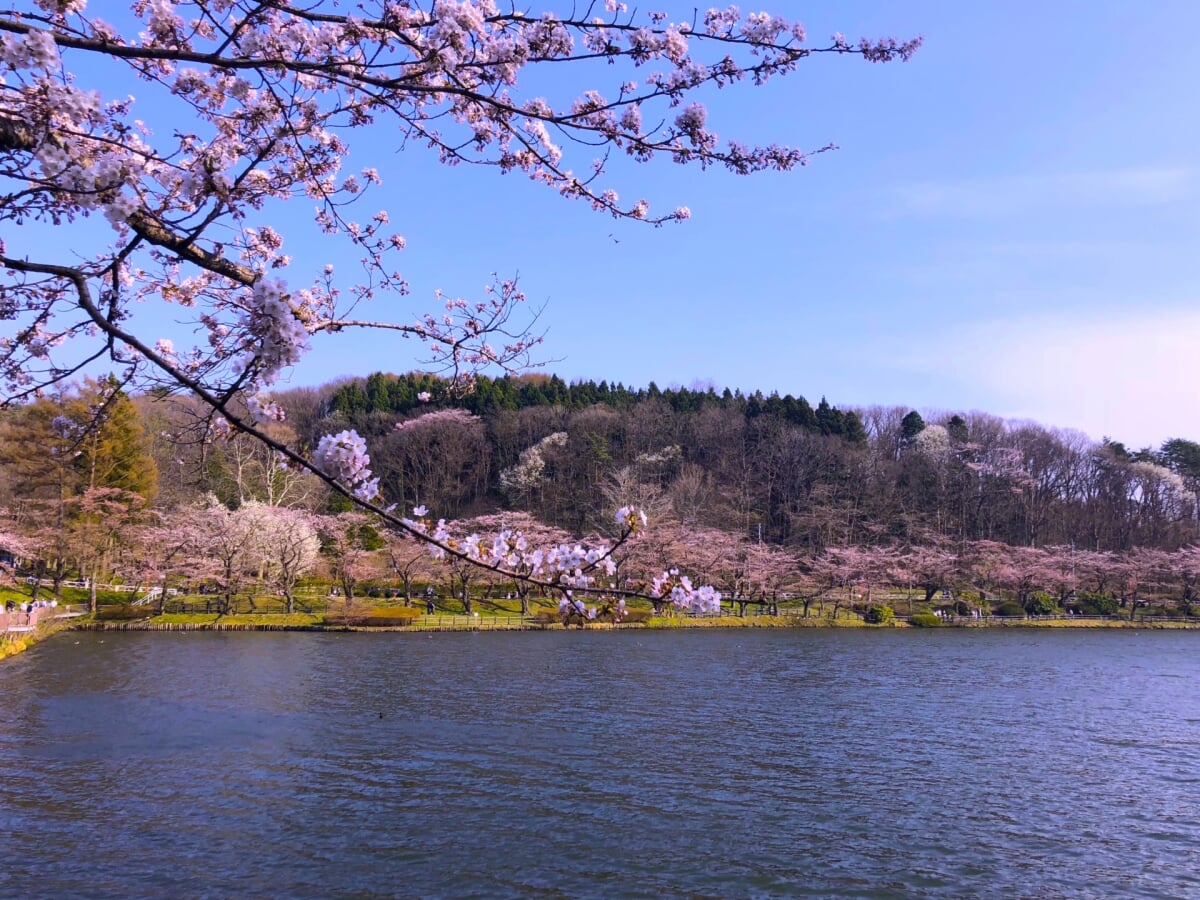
[{"x": 1124, "y": 374}]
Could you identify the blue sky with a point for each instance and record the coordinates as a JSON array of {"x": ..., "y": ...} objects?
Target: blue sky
[{"x": 1009, "y": 225}]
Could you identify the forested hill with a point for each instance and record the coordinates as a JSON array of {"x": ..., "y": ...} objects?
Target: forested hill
[
  {"x": 382, "y": 393},
  {"x": 772, "y": 468},
  {"x": 760, "y": 466}
]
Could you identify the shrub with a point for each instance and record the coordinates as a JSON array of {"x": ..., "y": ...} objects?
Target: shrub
[
  {"x": 879, "y": 615},
  {"x": 124, "y": 612},
  {"x": 1041, "y": 604},
  {"x": 1096, "y": 604},
  {"x": 1009, "y": 608},
  {"x": 925, "y": 620}
]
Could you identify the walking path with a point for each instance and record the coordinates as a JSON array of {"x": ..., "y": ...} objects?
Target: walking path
[{"x": 22, "y": 622}]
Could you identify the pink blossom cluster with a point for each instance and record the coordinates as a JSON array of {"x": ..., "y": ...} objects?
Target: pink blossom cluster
[
  {"x": 570, "y": 606},
  {"x": 573, "y": 606},
  {"x": 679, "y": 590},
  {"x": 449, "y": 416},
  {"x": 263, "y": 409},
  {"x": 564, "y": 565},
  {"x": 631, "y": 519},
  {"x": 280, "y": 338},
  {"x": 343, "y": 457},
  {"x": 568, "y": 565}
]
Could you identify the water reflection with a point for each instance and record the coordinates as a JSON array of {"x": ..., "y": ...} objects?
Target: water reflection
[{"x": 623, "y": 763}]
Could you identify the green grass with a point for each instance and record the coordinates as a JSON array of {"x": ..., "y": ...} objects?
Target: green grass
[
  {"x": 15, "y": 594},
  {"x": 73, "y": 596},
  {"x": 295, "y": 619}
]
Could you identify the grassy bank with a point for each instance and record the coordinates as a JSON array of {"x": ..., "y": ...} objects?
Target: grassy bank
[{"x": 12, "y": 644}]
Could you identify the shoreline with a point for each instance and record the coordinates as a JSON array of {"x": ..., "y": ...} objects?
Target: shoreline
[
  {"x": 729, "y": 622},
  {"x": 13, "y": 645}
]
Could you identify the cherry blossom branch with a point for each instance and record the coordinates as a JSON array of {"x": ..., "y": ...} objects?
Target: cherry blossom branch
[{"x": 271, "y": 94}]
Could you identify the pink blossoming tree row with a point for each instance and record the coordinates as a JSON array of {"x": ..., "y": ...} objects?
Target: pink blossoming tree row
[{"x": 259, "y": 102}]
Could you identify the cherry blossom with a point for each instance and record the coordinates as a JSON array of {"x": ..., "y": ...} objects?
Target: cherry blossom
[
  {"x": 679, "y": 590},
  {"x": 248, "y": 106}
]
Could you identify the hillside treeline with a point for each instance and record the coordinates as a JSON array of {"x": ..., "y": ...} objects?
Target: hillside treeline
[
  {"x": 769, "y": 467},
  {"x": 762, "y": 497}
]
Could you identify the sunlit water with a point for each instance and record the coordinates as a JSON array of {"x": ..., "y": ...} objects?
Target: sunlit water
[{"x": 700, "y": 763}]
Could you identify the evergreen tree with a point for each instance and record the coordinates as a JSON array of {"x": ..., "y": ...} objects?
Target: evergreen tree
[
  {"x": 957, "y": 429},
  {"x": 830, "y": 420},
  {"x": 910, "y": 426},
  {"x": 854, "y": 431},
  {"x": 116, "y": 454}
]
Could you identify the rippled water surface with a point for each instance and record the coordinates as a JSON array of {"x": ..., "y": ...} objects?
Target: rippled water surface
[{"x": 699, "y": 763}]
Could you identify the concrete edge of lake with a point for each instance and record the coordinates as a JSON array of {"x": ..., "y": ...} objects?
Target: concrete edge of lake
[{"x": 672, "y": 624}]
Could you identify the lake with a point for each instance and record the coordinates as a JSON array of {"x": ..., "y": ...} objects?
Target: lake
[{"x": 704, "y": 763}]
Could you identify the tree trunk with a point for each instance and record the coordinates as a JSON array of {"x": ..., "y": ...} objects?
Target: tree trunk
[
  {"x": 92, "y": 602},
  {"x": 57, "y": 577},
  {"x": 162, "y": 596}
]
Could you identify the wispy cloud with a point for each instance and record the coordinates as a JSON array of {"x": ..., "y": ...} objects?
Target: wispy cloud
[
  {"x": 1023, "y": 194},
  {"x": 1128, "y": 375}
]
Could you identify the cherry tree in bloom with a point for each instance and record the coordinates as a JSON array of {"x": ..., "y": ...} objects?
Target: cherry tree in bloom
[
  {"x": 517, "y": 537},
  {"x": 230, "y": 550},
  {"x": 184, "y": 126},
  {"x": 408, "y": 559},
  {"x": 704, "y": 554},
  {"x": 932, "y": 566},
  {"x": 857, "y": 570},
  {"x": 13, "y": 544},
  {"x": 289, "y": 546},
  {"x": 566, "y": 567},
  {"x": 769, "y": 571},
  {"x": 350, "y": 542},
  {"x": 521, "y": 479},
  {"x": 170, "y": 544}
]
